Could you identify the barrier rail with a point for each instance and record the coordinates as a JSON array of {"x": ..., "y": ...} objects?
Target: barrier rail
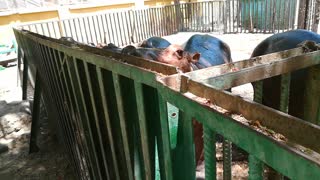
[
  {"x": 125, "y": 27},
  {"x": 112, "y": 110}
]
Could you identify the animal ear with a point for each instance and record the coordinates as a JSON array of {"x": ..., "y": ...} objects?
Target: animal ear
[
  {"x": 179, "y": 53},
  {"x": 195, "y": 57}
]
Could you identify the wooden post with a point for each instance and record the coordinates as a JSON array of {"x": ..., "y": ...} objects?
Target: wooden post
[
  {"x": 178, "y": 15},
  {"x": 316, "y": 16},
  {"x": 303, "y": 14}
]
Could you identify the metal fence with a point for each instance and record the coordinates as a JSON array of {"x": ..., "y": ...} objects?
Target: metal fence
[
  {"x": 12, "y": 5},
  {"x": 112, "y": 110},
  {"x": 119, "y": 27},
  {"x": 132, "y": 26}
]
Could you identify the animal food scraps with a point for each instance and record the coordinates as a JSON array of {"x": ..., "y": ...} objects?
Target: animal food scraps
[{"x": 255, "y": 124}]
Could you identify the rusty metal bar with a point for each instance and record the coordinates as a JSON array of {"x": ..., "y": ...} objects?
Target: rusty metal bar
[{"x": 260, "y": 72}]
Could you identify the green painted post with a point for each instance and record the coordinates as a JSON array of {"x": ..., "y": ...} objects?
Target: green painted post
[
  {"x": 255, "y": 168},
  {"x": 173, "y": 116},
  {"x": 258, "y": 91},
  {"x": 123, "y": 125},
  {"x": 227, "y": 159},
  {"x": 209, "y": 153},
  {"x": 284, "y": 96},
  {"x": 107, "y": 121},
  {"x": 312, "y": 95},
  {"x": 144, "y": 137},
  {"x": 25, "y": 77},
  {"x": 163, "y": 142},
  {"x": 35, "y": 116},
  {"x": 255, "y": 165},
  {"x": 184, "y": 153}
]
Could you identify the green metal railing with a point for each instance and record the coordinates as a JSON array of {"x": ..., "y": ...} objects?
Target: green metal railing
[{"x": 113, "y": 113}]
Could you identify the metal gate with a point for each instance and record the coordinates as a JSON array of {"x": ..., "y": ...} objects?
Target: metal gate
[
  {"x": 112, "y": 110},
  {"x": 124, "y": 27}
]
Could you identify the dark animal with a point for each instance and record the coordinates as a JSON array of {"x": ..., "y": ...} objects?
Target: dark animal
[
  {"x": 271, "y": 86},
  {"x": 155, "y": 42},
  {"x": 213, "y": 51},
  {"x": 67, "y": 39},
  {"x": 111, "y": 47},
  {"x": 173, "y": 55}
]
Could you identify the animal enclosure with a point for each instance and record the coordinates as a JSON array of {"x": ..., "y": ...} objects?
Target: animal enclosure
[{"x": 112, "y": 109}]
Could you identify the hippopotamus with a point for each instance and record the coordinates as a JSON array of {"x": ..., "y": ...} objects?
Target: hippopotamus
[
  {"x": 155, "y": 42},
  {"x": 213, "y": 51},
  {"x": 67, "y": 39},
  {"x": 271, "y": 86},
  {"x": 111, "y": 47},
  {"x": 173, "y": 55}
]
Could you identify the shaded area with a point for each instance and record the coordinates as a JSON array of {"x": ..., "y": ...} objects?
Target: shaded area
[{"x": 51, "y": 162}]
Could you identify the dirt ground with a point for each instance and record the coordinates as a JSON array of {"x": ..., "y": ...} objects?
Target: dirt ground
[
  {"x": 15, "y": 124},
  {"x": 51, "y": 162}
]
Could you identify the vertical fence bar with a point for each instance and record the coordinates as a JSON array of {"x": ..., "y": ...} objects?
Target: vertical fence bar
[
  {"x": 107, "y": 121},
  {"x": 289, "y": 15},
  {"x": 255, "y": 165},
  {"x": 25, "y": 76},
  {"x": 119, "y": 28},
  {"x": 84, "y": 29},
  {"x": 93, "y": 30},
  {"x": 143, "y": 130},
  {"x": 163, "y": 142},
  {"x": 255, "y": 16},
  {"x": 35, "y": 116},
  {"x": 145, "y": 24},
  {"x": 209, "y": 153},
  {"x": 135, "y": 25},
  {"x": 312, "y": 96},
  {"x": 109, "y": 28},
  {"x": 127, "y": 25},
  {"x": 115, "y": 26},
  {"x": 125, "y": 29},
  {"x": 265, "y": 15},
  {"x": 212, "y": 14},
  {"x": 183, "y": 158},
  {"x": 227, "y": 159},
  {"x": 225, "y": 16},
  {"x": 232, "y": 22},
  {"x": 279, "y": 15},
  {"x": 119, "y": 98},
  {"x": 255, "y": 168}
]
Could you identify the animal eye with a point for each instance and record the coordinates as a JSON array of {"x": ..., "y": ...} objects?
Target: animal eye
[{"x": 179, "y": 53}]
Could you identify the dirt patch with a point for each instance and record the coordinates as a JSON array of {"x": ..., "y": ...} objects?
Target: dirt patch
[{"x": 51, "y": 162}]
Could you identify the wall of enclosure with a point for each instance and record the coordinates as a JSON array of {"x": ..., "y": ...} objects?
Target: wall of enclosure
[
  {"x": 132, "y": 26},
  {"x": 113, "y": 114},
  {"x": 112, "y": 109}
]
